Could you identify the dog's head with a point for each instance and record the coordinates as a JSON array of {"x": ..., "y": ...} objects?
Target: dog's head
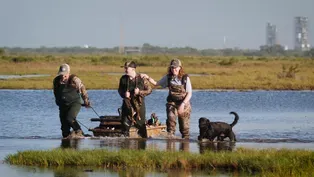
[
  {"x": 205, "y": 128},
  {"x": 203, "y": 122}
]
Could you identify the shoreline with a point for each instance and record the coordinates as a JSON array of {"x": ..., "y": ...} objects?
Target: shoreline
[{"x": 194, "y": 90}]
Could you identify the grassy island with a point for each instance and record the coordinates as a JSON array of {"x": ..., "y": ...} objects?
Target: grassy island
[
  {"x": 269, "y": 162},
  {"x": 219, "y": 72}
]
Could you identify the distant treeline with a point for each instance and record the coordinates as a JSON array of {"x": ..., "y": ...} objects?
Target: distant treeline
[{"x": 148, "y": 49}]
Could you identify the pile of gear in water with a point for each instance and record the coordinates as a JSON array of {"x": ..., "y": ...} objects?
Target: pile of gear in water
[{"x": 152, "y": 122}]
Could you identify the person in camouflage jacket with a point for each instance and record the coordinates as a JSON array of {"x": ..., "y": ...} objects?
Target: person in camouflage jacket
[
  {"x": 133, "y": 89},
  {"x": 70, "y": 94}
]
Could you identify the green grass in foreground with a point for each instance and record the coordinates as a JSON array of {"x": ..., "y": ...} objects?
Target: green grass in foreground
[{"x": 281, "y": 162}]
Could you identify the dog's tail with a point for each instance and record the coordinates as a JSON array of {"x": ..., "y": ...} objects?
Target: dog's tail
[{"x": 236, "y": 118}]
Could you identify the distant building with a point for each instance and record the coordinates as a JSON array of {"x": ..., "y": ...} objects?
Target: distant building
[
  {"x": 132, "y": 50},
  {"x": 271, "y": 35},
  {"x": 301, "y": 38}
]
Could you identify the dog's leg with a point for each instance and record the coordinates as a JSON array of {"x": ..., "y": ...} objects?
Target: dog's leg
[
  {"x": 235, "y": 139},
  {"x": 221, "y": 137},
  {"x": 232, "y": 136}
]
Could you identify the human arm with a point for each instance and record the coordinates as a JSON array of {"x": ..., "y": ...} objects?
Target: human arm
[
  {"x": 146, "y": 90},
  {"x": 184, "y": 103},
  {"x": 149, "y": 79},
  {"x": 163, "y": 82},
  {"x": 82, "y": 91},
  {"x": 187, "y": 98},
  {"x": 56, "y": 83},
  {"x": 152, "y": 81},
  {"x": 123, "y": 90}
]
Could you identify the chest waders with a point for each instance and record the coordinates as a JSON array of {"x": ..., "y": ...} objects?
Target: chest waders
[
  {"x": 133, "y": 108},
  {"x": 68, "y": 100},
  {"x": 176, "y": 95}
]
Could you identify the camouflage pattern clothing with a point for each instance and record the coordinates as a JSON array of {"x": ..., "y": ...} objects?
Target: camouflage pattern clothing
[
  {"x": 183, "y": 120},
  {"x": 133, "y": 108},
  {"x": 67, "y": 97},
  {"x": 177, "y": 92}
]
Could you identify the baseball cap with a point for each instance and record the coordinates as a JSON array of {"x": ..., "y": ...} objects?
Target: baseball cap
[
  {"x": 175, "y": 63},
  {"x": 64, "y": 69},
  {"x": 130, "y": 64}
]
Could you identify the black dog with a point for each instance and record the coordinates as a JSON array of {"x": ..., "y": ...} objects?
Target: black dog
[{"x": 221, "y": 130}]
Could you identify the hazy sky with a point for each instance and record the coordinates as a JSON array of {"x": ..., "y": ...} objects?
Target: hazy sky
[{"x": 195, "y": 23}]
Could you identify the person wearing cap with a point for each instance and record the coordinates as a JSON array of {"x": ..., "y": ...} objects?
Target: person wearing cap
[
  {"x": 133, "y": 89},
  {"x": 70, "y": 94},
  {"x": 178, "y": 100}
]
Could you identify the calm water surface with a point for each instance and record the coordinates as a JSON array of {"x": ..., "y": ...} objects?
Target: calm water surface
[{"x": 277, "y": 119}]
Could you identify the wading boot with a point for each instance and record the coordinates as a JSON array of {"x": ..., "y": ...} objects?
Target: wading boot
[
  {"x": 79, "y": 134},
  {"x": 170, "y": 135}
]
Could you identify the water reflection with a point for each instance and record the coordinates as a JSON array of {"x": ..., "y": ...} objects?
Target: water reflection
[
  {"x": 127, "y": 143},
  {"x": 128, "y": 172},
  {"x": 69, "y": 143},
  {"x": 216, "y": 146},
  {"x": 84, "y": 171},
  {"x": 134, "y": 144},
  {"x": 124, "y": 143},
  {"x": 132, "y": 173},
  {"x": 148, "y": 144},
  {"x": 179, "y": 173},
  {"x": 69, "y": 172},
  {"x": 184, "y": 145}
]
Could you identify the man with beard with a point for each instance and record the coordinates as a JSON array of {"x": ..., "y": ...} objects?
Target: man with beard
[{"x": 133, "y": 89}]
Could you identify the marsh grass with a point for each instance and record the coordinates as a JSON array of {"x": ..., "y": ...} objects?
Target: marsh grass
[
  {"x": 274, "y": 162},
  {"x": 242, "y": 73}
]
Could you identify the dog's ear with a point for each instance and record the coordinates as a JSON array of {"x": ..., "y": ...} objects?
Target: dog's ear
[
  {"x": 207, "y": 121},
  {"x": 201, "y": 120}
]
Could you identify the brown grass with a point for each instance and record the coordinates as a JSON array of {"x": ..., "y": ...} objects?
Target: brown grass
[{"x": 235, "y": 72}]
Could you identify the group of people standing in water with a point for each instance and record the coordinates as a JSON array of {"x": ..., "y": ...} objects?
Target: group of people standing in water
[{"x": 70, "y": 94}]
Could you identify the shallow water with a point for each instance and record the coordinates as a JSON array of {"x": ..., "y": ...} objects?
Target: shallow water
[
  {"x": 22, "y": 76},
  {"x": 264, "y": 115},
  {"x": 268, "y": 119}
]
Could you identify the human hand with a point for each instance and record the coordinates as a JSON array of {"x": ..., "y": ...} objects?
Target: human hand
[
  {"x": 181, "y": 108},
  {"x": 88, "y": 104},
  {"x": 136, "y": 91},
  {"x": 144, "y": 76},
  {"x": 127, "y": 94}
]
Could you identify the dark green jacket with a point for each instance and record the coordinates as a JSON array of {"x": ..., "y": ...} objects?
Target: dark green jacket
[
  {"x": 127, "y": 84},
  {"x": 138, "y": 101},
  {"x": 65, "y": 94}
]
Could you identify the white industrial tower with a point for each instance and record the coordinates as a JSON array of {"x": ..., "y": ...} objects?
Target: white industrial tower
[
  {"x": 301, "y": 38},
  {"x": 271, "y": 35}
]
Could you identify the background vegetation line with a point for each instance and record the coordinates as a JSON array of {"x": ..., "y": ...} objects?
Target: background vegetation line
[{"x": 206, "y": 72}]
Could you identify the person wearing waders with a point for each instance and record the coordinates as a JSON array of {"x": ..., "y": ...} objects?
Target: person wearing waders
[
  {"x": 70, "y": 94},
  {"x": 133, "y": 89},
  {"x": 178, "y": 100}
]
